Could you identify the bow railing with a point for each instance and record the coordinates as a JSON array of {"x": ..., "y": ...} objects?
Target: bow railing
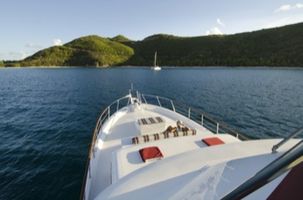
[
  {"x": 105, "y": 114},
  {"x": 197, "y": 115}
]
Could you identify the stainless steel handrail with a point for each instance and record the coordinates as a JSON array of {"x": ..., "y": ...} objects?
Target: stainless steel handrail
[
  {"x": 294, "y": 134},
  {"x": 197, "y": 115},
  {"x": 106, "y": 113}
]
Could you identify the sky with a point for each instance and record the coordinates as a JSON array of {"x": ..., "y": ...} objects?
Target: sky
[{"x": 27, "y": 26}]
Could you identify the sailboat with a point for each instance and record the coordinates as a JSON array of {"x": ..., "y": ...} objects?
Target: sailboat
[{"x": 156, "y": 67}]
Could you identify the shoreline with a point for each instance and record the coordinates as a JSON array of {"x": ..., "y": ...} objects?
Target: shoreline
[{"x": 148, "y": 67}]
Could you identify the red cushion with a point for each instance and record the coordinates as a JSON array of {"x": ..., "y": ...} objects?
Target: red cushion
[
  {"x": 212, "y": 141},
  {"x": 149, "y": 153}
]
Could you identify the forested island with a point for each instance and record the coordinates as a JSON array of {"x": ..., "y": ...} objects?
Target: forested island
[{"x": 282, "y": 46}]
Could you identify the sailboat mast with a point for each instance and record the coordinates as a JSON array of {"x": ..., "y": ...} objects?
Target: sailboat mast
[{"x": 155, "y": 60}]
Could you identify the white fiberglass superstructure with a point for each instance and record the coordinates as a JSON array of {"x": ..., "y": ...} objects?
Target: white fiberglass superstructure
[{"x": 150, "y": 147}]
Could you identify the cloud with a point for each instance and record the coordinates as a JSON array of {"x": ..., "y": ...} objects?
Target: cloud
[
  {"x": 214, "y": 31},
  {"x": 299, "y": 5},
  {"x": 57, "y": 42},
  {"x": 33, "y": 46},
  {"x": 220, "y": 22},
  {"x": 284, "y": 8},
  {"x": 288, "y": 7}
]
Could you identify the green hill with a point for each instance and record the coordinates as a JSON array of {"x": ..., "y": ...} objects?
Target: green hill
[
  {"x": 270, "y": 47},
  {"x": 120, "y": 38},
  {"x": 281, "y": 46},
  {"x": 85, "y": 51}
]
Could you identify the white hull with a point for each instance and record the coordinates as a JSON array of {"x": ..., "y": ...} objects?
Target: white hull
[
  {"x": 189, "y": 167},
  {"x": 156, "y": 68}
]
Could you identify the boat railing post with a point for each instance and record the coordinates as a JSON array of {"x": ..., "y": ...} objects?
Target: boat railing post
[
  {"x": 89, "y": 173},
  {"x": 128, "y": 100},
  {"x": 158, "y": 101},
  {"x": 189, "y": 112},
  {"x": 202, "y": 119},
  {"x": 118, "y": 104},
  {"x": 144, "y": 99},
  {"x": 139, "y": 97},
  {"x": 172, "y": 105},
  {"x": 217, "y": 128}
]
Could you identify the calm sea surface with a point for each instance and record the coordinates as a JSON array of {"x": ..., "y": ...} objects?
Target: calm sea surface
[{"x": 47, "y": 115}]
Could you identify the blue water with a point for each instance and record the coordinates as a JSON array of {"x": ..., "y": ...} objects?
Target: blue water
[{"x": 47, "y": 115}]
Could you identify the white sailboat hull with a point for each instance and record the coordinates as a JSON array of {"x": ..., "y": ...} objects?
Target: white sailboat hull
[{"x": 156, "y": 68}]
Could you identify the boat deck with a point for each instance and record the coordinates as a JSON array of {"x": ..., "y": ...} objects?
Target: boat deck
[
  {"x": 116, "y": 156},
  {"x": 185, "y": 160},
  {"x": 207, "y": 173}
]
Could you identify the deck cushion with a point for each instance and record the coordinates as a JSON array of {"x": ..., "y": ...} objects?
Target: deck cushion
[
  {"x": 150, "y": 153},
  {"x": 164, "y": 135},
  {"x": 150, "y": 125},
  {"x": 212, "y": 141}
]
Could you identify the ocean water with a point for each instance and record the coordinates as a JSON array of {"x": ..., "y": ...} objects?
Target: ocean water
[{"x": 47, "y": 115}]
